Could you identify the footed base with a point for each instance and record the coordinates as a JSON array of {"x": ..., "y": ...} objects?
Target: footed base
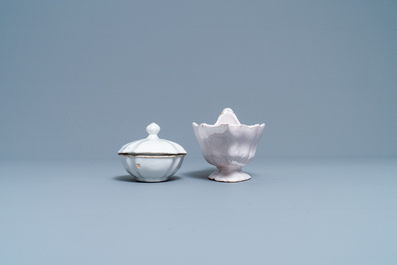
[
  {"x": 146, "y": 179},
  {"x": 228, "y": 175}
]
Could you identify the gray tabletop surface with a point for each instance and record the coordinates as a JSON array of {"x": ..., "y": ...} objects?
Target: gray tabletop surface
[{"x": 306, "y": 211}]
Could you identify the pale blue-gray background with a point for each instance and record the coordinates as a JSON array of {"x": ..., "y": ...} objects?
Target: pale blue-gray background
[{"x": 78, "y": 79}]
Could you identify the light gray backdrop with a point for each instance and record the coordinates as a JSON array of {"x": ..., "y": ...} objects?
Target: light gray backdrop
[{"x": 78, "y": 79}]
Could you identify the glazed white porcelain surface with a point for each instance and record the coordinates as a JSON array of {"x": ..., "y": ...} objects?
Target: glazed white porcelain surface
[
  {"x": 228, "y": 145},
  {"x": 152, "y": 144},
  {"x": 152, "y": 159},
  {"x": 152, "y": 168}
]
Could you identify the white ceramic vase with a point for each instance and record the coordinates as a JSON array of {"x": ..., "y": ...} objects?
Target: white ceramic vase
[{"x": 228, "y": 145}]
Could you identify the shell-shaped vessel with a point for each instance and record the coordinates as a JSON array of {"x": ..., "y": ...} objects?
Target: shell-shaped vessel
[{"x": 228, "y": 145}]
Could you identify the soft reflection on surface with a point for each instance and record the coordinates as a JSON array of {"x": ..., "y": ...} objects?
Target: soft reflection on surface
[{"x": 129, "y": 178}]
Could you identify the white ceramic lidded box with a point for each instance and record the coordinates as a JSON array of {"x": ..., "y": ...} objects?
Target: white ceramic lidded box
[
  {"x": 228, "y": 145},
  {"x": 152, "y": 159}
]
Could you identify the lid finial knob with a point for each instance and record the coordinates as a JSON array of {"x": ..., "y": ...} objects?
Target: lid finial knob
[{"x": 153, "y": 129}]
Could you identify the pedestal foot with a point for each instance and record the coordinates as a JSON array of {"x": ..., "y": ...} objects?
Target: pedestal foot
[{"x": 229, "y": 175}]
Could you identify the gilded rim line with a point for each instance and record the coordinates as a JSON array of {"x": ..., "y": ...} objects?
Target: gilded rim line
[{"x": 151, "y": 155}]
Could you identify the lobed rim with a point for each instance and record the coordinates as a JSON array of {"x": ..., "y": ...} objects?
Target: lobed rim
[{"x": 228, "y": 125}]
